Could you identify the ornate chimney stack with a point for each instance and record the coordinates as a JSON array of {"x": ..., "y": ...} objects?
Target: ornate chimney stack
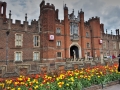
[
  {"x": 111, "y": 34},
  {"x": 117, "y": 33},
  {"x": 26, "y": 17},
  {"x": 10, "y": 14},
  {"x": 26, "y": 22},
  {"x": 106, "y": 34},
  {"x": 9, "y": 21}
]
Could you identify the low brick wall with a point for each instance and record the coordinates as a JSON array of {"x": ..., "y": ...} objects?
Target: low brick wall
[{"x": 37, "y": 68}]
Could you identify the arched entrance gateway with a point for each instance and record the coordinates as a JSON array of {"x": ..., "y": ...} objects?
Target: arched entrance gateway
[{"x": 74, "y": 52}]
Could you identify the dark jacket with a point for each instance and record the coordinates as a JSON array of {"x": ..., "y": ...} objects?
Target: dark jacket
[{"x": 119, "y": 63}]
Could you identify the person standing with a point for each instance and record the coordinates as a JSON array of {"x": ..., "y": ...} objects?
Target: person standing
[{"x": 119, "y": 63}]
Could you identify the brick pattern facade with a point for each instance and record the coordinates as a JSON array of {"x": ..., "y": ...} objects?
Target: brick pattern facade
[{"x": 90, "y": 32}]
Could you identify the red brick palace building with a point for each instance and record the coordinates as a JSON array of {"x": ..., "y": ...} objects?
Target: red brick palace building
[{"x": 49, "y": 39}]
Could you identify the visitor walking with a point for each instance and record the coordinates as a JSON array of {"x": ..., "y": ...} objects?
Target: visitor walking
[{"x": 119, "y": 63}]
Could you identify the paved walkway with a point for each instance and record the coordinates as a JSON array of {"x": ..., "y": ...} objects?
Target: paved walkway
[{"x": 114, "y": 87}]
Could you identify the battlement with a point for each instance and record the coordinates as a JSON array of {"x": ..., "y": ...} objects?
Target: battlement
[
  {"x": 2, "y": 2},
  {"x": 114, "y": 36},
  {"x": 94, "y": 18},
  {"x": 109, "y": 36},
  {"x": 86, "y": 23},
  {"x": 34, "y": 21},
  {"x": 17, "y": 22},
  {"x": 87, "y": 26},
  {"x": 47, "y": 5},
  {"x": 42, "y": 3},
  {"x": 19, "y": 25},
  {"x": 59, "y": 21}
]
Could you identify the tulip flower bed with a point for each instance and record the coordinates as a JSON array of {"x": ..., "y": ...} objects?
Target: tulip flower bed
[{"x": 69, "y": 80}]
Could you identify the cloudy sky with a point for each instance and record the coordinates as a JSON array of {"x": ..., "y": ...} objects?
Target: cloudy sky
[{"x": 107, "y": 10}]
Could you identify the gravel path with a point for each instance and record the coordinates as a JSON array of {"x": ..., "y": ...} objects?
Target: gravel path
[{"x": 114, "y": 87}]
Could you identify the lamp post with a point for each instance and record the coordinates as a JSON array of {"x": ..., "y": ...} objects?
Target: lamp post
[{"x": 7, "y": 33}]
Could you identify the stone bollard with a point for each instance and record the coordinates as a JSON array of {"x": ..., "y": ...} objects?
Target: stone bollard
[
  {"x": 101, "y": 58},
  {"x": 85, "y": 56}
]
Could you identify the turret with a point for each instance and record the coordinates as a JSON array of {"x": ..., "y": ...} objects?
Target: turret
[
  {"x": 82, "y": 32},
  {"x": 65, "y": 12},
  {"x": 81, "y": 16},
  {"x": 47, "y": 6},
  {"x": 96, "y": 34},
  {"x": 82, "y": 22},
  {"x": 66, "y": 29},
  {"x": 3, "y": 6},
  {"x": 47, "y": 15},
  {"x": 47, "y": 23}
]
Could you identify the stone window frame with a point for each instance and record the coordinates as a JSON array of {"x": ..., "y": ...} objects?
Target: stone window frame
[
  {"x": 38, "y": 55},
  {"x": 73, "y": 26},
  {"x": 115, "y": 53},
  {"x": 104, "y": 54},
  {"x": 58, "y": 30},
  {"x": 60, "y": 54},
  {"x": 88, "y": 45},
  {"x": 18, "y": 41},
  {"x": 119, "y": 45},
  {"x": 87, "y": 34},
  {"x": 21, "y": 56},
  {"x": 88, "y": 53},
  {"x": 104, "y": 45},
  {"x": 34, "y": 45},
  {"x": 114, "y": 45},
  {"x": 58, "y": 43}
]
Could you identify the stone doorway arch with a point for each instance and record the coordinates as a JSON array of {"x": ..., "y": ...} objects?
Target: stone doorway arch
[{"x": 74, "y": 51}]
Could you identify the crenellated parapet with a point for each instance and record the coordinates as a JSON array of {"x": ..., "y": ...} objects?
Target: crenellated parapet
[
  {"x": 114, "y": 37},
  {"x": 109, "y": 36},
  {"x": 18, "y": 25},
  {"x": 34, "y": 22},
  {"x": 44, "y": 6},
  {"x": 86, "y": 23},
  {"x": 57, "y": 21},
  {"x": 94, "y": 18}
]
